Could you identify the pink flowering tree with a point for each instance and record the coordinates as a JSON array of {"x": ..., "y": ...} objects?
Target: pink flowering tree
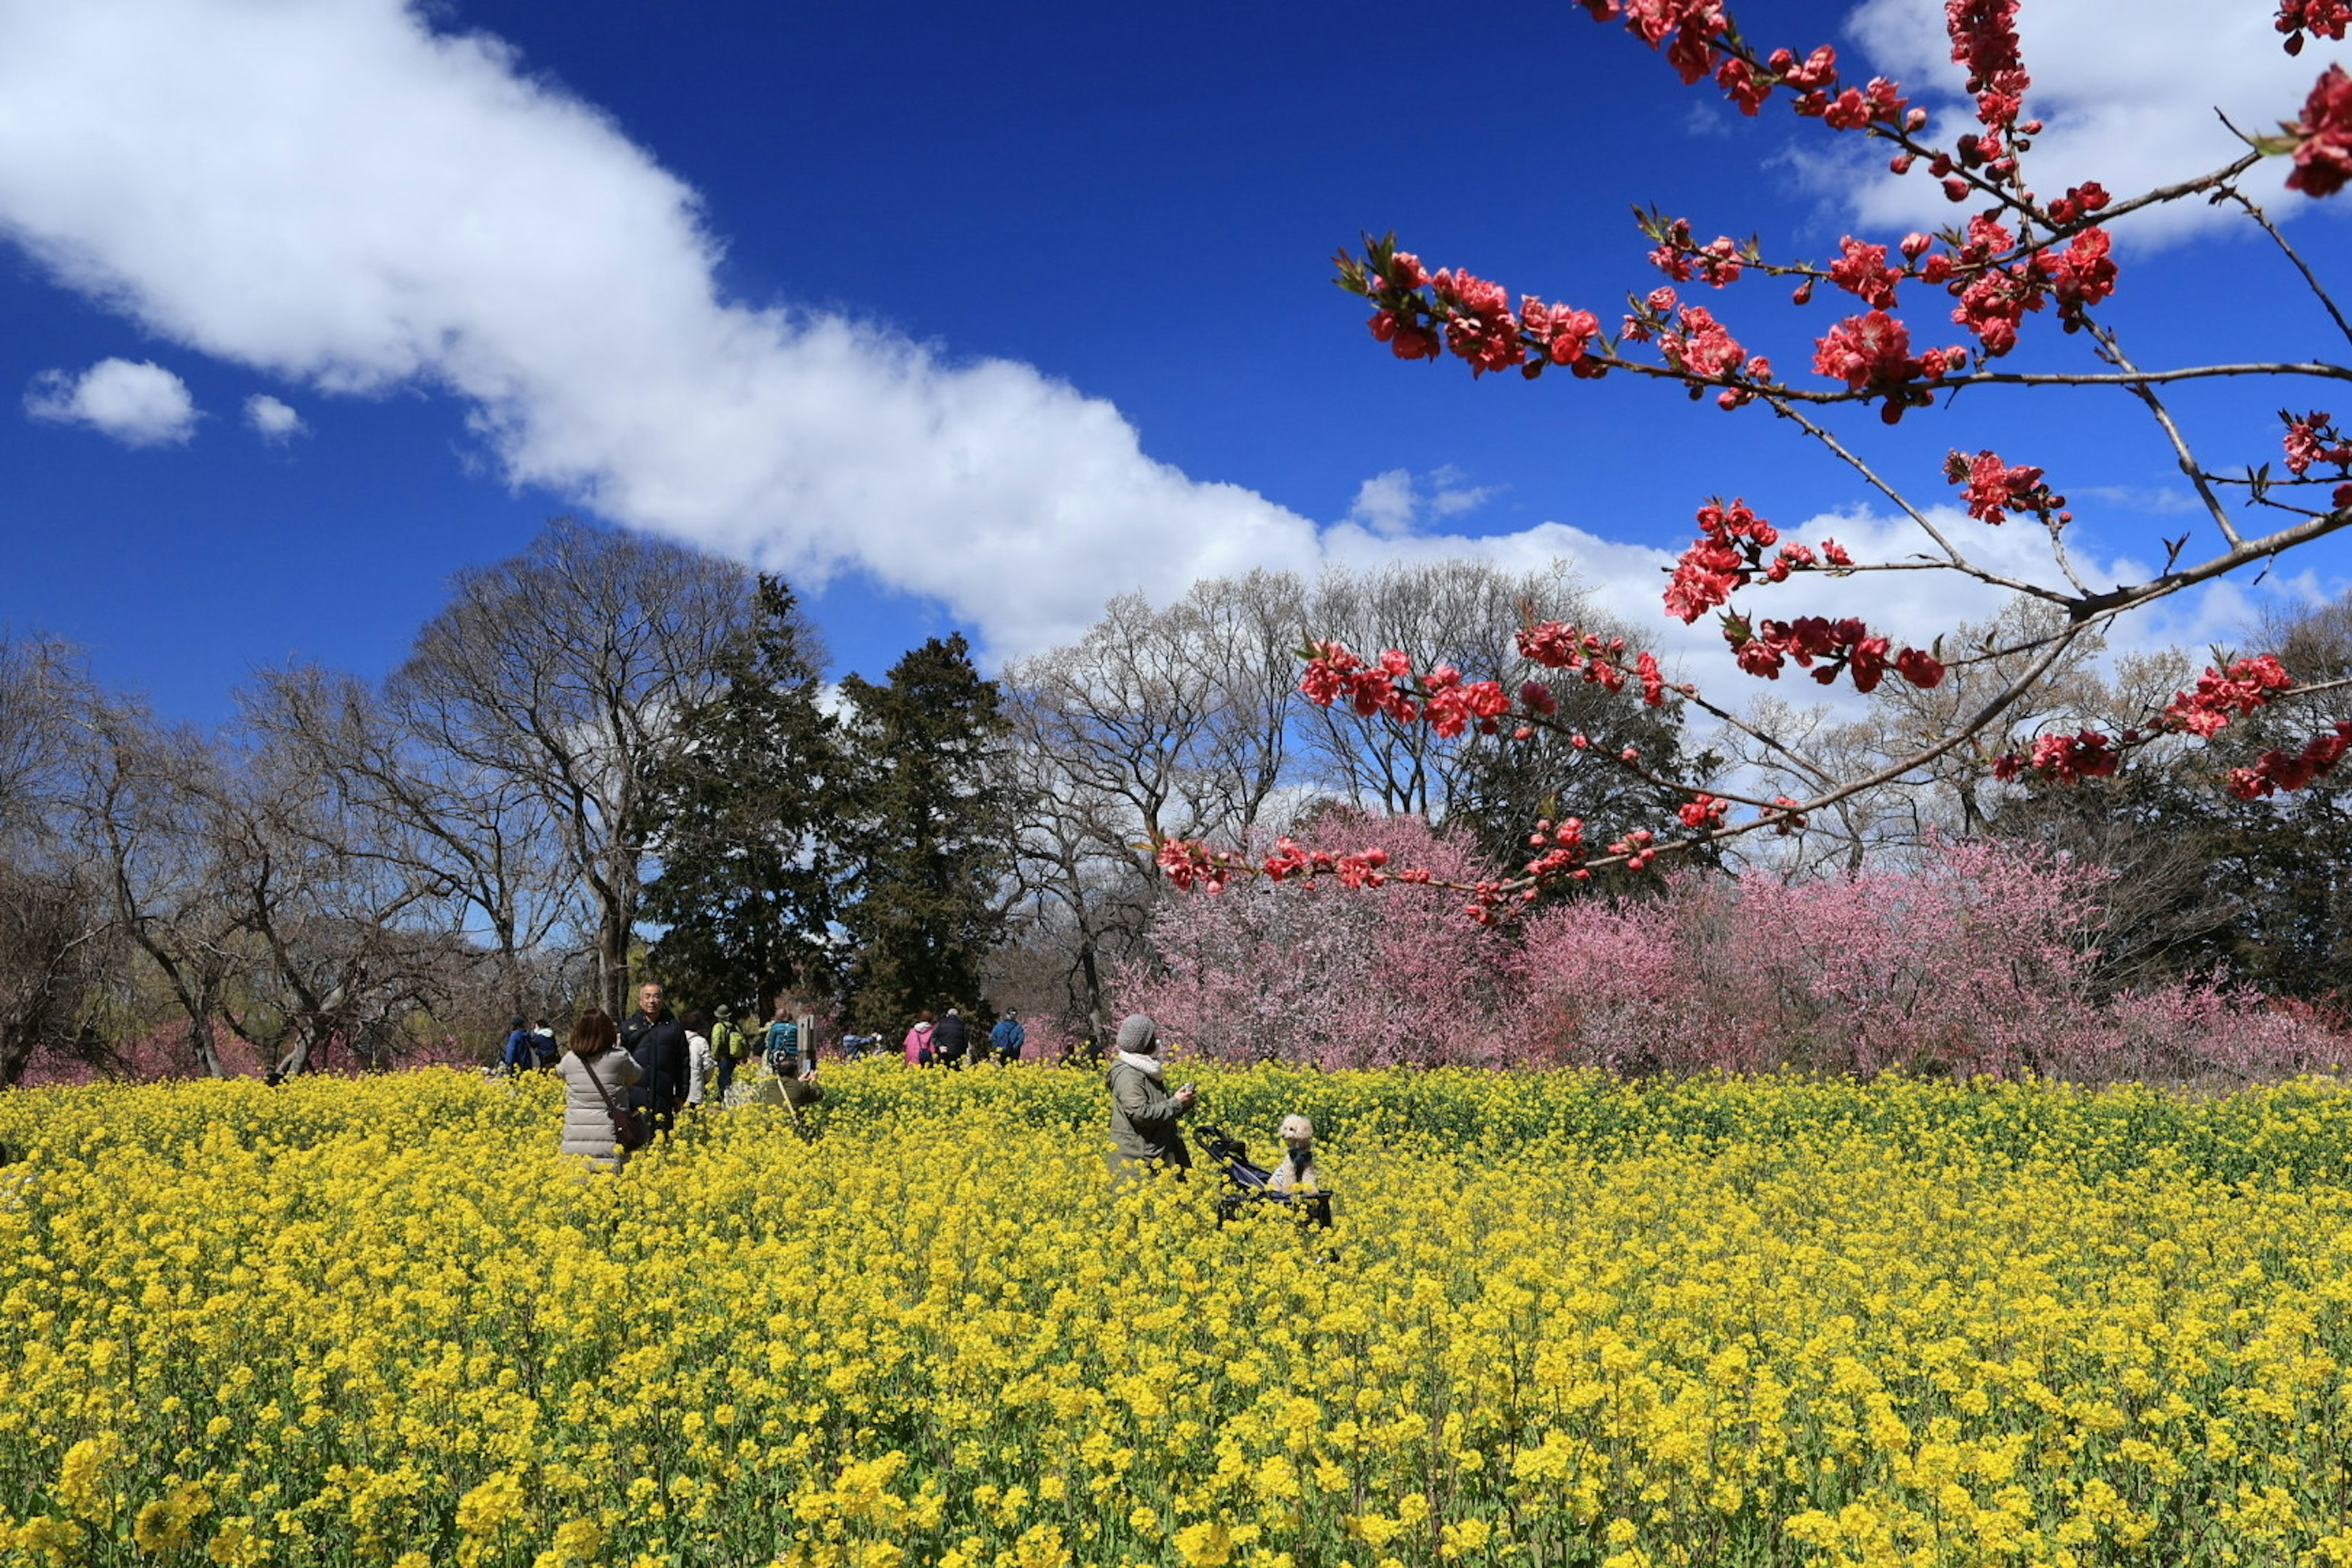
[
  {"x": 1915, "y": 319},
  {"x": 1978, "y": 960},
  {"x": 1295, "y": 970}
]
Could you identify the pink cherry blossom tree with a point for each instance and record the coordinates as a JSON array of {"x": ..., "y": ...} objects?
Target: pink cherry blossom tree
[
  {"x": 1298, "y": 971},
  {"x": 1980, "y": 960}
]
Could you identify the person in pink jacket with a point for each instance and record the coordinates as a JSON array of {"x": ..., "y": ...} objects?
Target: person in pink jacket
[{"x": 918, "y": 1041}]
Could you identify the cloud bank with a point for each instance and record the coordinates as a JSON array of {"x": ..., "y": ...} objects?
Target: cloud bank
[
  {"x": 337, "y": 194},
  {"x": 138, "y": 403},
  {"x": 2128, "y": 94}
]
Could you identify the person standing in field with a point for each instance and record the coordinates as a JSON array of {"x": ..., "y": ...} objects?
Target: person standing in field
[
  {"x": 519, "y": 1056},
  {"x": 949, "y": 1039},
  {"x": 596, "y": 1079},
  {"x": 1008, "y": 1037},
  {"x": 1144, "y": 1133},
  {"x": 654, "y": 1040},
  {"x": 726, "y": 1047},
  {"x": 701, "y": 1064},
  {"x": 918, "y": 1041}
]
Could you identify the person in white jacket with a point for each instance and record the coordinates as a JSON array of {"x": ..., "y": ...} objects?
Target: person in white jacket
[{"x": 701, "y": 1061}]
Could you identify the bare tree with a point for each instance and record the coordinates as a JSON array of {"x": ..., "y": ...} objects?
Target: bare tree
[
  {"x": 55, "y": 930},
  {"x": 1781, "y": 748},
  {"x": 1158, "y": 721},
  {"x": 147, "y": 813},
  {"x": 483, "y": 833},
  {"x": 1459, "y": 612},
  {"x": 565, "y": 671}
]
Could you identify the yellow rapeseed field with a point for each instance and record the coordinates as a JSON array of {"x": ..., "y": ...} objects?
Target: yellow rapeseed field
[{"x": 1561, "y": 1319}]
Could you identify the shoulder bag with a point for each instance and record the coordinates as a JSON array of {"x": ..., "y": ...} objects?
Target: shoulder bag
[{"x": 628, "y": 1126}]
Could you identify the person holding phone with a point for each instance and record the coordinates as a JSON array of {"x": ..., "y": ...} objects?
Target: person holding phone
[{"x": 1144, "y": 1116}]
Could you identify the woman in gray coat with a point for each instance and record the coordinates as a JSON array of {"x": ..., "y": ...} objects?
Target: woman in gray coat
[
  {"x": 1143, "y": 1114},
  {"x": 591, "y": 1061}
]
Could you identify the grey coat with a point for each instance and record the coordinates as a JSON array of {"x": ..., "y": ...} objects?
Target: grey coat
[
  {"x": 587, "y": 1124},
  {"x": 1143, "y": 1118}
]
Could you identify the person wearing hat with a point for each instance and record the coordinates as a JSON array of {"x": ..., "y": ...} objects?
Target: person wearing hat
[
  {"x": 1144, "y": 1133},
  {"x": 726, "y": 1046},
  {"x": 521, "y": 1053}
]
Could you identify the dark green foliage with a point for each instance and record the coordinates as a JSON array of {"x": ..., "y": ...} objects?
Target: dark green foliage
[
  {"x": 2206, "y": 881},
  {"x": 1508, "y": 785},
  {"x": 744, "y": 818},
  {"x": 929, "y": 834}
]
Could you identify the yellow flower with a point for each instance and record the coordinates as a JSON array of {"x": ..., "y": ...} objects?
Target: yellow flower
[
  {"x": 84, "y": 1483},
  {"x": 164, "y": 1524},
  {"x": 1204, "y": 1545}
]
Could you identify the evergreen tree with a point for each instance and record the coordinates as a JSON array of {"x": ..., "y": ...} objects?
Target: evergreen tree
[
  {"x": 932, "y": 835},
  {"x": 1506, "y": 785},
  {"x": 743, "y": 818}
]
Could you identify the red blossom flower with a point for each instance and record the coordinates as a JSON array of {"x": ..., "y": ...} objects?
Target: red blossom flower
[
  {"x": 2067, "y": 758},
  {"x": 2081, "y": 276},
  {"x": 2313, "y": 438},
  {"x": 1727, "y": 553},
  {"x": 1994, "y": 488},
  {"x": 1738, "y": 80},
  {"x": 1189, "y": 862},
  {"x": 1873, "y": 353},
  {"x": 2274, "y": 770},
  {"x": 1921, "y": 670},
  {"x": 1654, "y": 685},
  {"x": 1704, "y": 811},
  {"x": 1984, "y": 39},
  {"x": 2323, "y": 153},
  {"x": 1862, "y": 270},
  {"x": 1701, "y": 345},
  {"x": 2325, "y": 18},
  {"x": 2218, "y": 697}
]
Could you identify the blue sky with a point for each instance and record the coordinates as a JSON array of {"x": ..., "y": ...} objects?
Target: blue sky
[{"x": 974, "y": 318}]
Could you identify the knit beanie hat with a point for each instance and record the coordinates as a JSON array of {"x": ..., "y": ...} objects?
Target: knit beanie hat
[{"x": 1138, "y": 1034}]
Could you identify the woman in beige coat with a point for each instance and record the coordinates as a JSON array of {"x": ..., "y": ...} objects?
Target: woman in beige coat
[{"x": 590, "y": 1061}]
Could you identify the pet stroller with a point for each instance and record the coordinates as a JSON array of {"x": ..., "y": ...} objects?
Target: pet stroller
[{"x": 1249, "y": 1184}]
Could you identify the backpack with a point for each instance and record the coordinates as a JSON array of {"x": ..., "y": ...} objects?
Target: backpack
[{"x": 726, "y": 1041}]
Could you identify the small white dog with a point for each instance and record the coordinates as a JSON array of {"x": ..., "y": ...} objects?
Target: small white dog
[{"x": 1297, "y": 1172}]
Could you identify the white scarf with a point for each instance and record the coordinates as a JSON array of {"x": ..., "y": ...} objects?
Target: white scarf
[{"x": 1148, "y": 1066}]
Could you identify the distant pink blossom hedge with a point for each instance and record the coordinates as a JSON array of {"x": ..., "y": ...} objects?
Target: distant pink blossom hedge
[{"x": 1979, "y": 961}]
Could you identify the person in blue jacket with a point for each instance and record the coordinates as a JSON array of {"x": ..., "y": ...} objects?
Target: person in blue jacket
[
  {"x": 1008, "y": 1037},
  {"x": 521, "y": 1053}
]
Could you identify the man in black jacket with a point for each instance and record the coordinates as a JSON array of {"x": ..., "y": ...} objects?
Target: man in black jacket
[
  {"x": 948, "y": 1038},
  {"x": 655, "y": 1039}
]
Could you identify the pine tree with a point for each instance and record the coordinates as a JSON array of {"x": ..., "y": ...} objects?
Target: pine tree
[
  {"x": 743, "y": 820},
  {"x": 932, "y": 835}
]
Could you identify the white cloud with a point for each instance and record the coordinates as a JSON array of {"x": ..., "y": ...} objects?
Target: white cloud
[
  {"x": 138, "y": 403},
  {"x": 338, "y": 195},
  {"x": 1395, "y": 505},
  {"x": 2127, "y": 94},
  {"x": 271, "y": 420}
]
